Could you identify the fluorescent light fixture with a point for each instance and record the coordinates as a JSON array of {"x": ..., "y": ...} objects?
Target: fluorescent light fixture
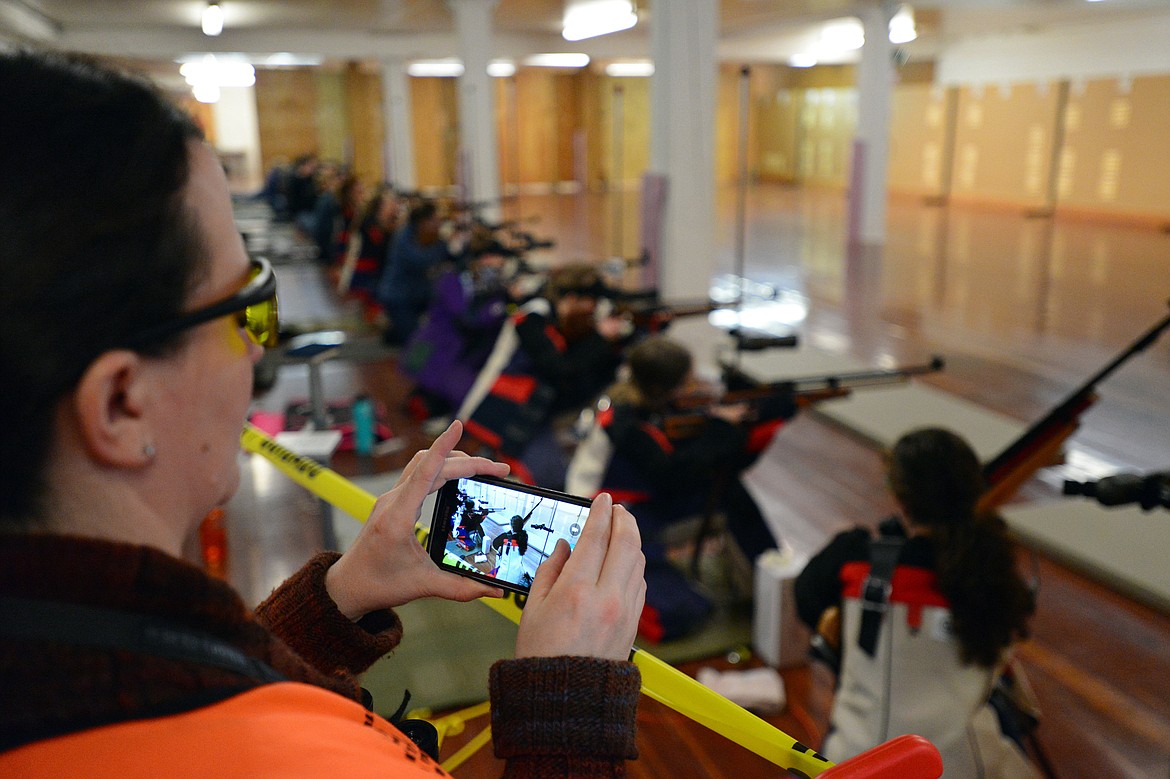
[
  {"x": 501, "y": 68},
  {"x": 590, "y": 18},
  {"x": 902, "y": 27},
  {"x": 636, "y": 69},
  {"x": 285, "y": 59},
  {"x": 842, "y": 35},
  {"x": 447, "y": 68},
  {"x": 803, "y": 60},
  {"x": 212, "y": 19},
  {"x": 558, "y": 60},
  {"x": 232, "y": 72},
  {"x": 206, "y": 93}
]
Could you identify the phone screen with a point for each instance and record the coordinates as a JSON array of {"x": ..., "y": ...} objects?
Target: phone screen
[{"x": 500, "y": 532}]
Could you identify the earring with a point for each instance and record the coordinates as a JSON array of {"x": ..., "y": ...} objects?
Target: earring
[{"x": 148, "y": 451}]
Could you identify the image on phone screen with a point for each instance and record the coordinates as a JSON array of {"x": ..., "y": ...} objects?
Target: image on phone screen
[{"x": 500, "y": 532}]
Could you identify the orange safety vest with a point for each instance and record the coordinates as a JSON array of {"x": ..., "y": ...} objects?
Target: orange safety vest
[{"x": 288, "y": 729}]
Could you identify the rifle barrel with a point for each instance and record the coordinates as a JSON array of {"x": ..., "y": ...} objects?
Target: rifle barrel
[
  {"x": 1068, "y": 409},
  {"x": 861, "y": 378}
]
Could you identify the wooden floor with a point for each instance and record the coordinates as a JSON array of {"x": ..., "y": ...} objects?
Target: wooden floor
[{"x": 1024, "y": 309}]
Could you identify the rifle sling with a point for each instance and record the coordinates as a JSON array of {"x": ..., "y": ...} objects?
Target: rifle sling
[{"x": 875, "y": 590}]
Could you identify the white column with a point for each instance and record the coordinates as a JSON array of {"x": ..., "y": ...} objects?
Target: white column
[
  {"x": 682, "y": 141},
  {"x": 477, "y": 116},
  {"x": 398, "y": 145},
  {"x": 875, "y": 87}
]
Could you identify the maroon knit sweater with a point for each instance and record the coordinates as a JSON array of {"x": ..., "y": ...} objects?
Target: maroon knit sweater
[{"x": 51, "y": 689}]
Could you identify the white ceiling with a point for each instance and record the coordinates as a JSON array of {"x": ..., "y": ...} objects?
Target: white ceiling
[{"x": 750, "y": 30}]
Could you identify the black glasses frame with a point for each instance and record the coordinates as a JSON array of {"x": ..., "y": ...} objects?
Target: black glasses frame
[{"x": 261, "y": 288}]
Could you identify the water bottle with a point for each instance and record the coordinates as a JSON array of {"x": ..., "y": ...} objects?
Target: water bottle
[{"x": 363, "y": 425}]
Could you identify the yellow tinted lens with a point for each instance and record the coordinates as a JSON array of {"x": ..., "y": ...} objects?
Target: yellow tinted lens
[{"x": 261, "y": 322}]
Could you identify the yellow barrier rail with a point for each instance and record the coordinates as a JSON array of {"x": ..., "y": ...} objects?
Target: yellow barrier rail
[{"x": 660, "y": 681}]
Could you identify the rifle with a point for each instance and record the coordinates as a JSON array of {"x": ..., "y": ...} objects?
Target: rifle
[
  {"x": 1040, "y": 445},
  {"x": 792, "y": 394},
  {"x": 648, "y": 313}
]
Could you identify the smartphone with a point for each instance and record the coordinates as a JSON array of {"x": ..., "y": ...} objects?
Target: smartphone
[{"x": 499, "y": 532}]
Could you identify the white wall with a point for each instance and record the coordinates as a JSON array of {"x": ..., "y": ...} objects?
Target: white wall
[{"x": 1110, "y": 49}]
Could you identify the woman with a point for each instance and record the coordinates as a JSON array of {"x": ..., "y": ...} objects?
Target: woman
[
  {"x": 927, "y": 659},
  {"x": 127, "y": 345}
]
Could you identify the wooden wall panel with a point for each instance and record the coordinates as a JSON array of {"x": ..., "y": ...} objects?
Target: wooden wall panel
[
  {"x": 1004, "y": 144},
  {"x": 727, "y": 127},
  {"x": 598, "y": 121},
  {"x": 772, "y": 156},
  {"x": 435, "y": 126},
  {"x": 534, "y": 129},
  {"x": 332, "y": 114},
  {"x": 570, "y": 121},
  {"x": 363, "y": 101},
  {"x": 1111, "y": 161},
  {"x": 286, "y": 114},
  {"x": 921, "y": 132},
  {"x": 825, "y": 132}
]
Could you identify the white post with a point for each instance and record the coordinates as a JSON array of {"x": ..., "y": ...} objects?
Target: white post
[
  {"x": 682, "y": 141},
  {"x": 398, "y": 148},
  {"x": 875, "y": 87},
  {"x": 477, "y": 116}
]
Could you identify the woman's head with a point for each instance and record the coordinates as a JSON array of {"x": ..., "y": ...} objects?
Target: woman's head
[
  {"x": 935, "y": 476},
  {"x": 99, "y": 241}
]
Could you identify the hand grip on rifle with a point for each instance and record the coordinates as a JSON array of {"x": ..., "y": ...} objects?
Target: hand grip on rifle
[{"x": 1124, "y": 488}]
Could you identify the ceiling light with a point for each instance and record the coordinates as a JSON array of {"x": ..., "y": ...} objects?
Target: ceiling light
[
  {"x": 843, "y": 35},
  {"x": 448, "y": 68},
  {"x": 207, "y": 75},
  {"x": 286, "y": 59},
  {"x": 803, "y": 60},
  {"x": 212, "y": 19},
  {"x": 635, "y": 69},
  {"x": 501, "y": 68},
  {"x": 590, "y": 18},
  {"x": 558, "y": 60},
  {"x": 206, "y": 93},
  {"x": 902, "y": 28}
]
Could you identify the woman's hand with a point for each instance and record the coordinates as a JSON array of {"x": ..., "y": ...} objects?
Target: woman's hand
[
  {"x": 386, "y": 566},
  {"x": 588, "y": 603}
]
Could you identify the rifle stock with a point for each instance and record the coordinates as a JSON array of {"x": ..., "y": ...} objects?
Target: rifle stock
[{"x": 1040, "y": 445}]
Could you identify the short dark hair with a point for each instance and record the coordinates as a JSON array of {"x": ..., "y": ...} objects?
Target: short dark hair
[
  {"x": 658, "y": 365},
  {"x": 94, "y": 239},
  {"x": 422, "y": 212}
]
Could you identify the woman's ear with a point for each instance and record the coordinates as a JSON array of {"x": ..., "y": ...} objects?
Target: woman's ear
[{"x": 110, "y": 404}]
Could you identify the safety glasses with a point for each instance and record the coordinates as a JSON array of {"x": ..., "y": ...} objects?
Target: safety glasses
[{"x": 254, "y": 306}]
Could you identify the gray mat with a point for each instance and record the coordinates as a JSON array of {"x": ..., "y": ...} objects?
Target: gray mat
[
  {"x": 883, "y": 415},
  {"x": 1123, "y": 546}
]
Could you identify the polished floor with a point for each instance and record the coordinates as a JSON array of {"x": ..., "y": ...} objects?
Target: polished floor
[{"x": 1025, "y": 310}]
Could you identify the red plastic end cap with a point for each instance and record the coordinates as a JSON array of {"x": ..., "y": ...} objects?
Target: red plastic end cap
[{"x": 905, "y": 757}]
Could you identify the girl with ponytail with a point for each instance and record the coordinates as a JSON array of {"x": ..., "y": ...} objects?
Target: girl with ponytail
[{"x": 927, "y": 613}]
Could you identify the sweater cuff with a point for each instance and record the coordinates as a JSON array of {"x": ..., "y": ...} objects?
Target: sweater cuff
[
  {"x": 565, "y": 707},
  {"x": 303, "y": 615}
]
